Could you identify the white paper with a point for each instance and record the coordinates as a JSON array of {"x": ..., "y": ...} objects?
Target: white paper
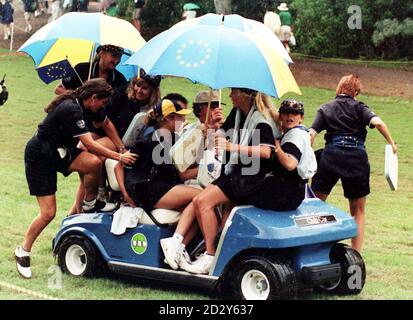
[{"x": 391, "y": 167}]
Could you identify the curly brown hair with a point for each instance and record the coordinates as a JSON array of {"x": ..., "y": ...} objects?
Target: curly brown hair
[{"x": 97, "y": 86}]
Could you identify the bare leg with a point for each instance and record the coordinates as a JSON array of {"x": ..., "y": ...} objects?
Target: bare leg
[
  {"x": 178, "y": 197},
  {"x": 226, "y": 212},
  {"x": 321, "y": 196},
  {"x": 204, "y": 207},
  {"x": 80, "y": 195},
  {"x": 90, "y": 166},
  {"x": 357, "y": 210},
  {"x": 47, "y": 206},
  {"x": 187, "y": 226}
]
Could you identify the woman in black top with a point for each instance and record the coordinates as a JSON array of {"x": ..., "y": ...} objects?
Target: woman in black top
[
  {"x": 153, "y": 181},
  {"x": 251, "y": 131},
  {"x": 141, "y": 95},
  {"x": 54, "y": 149},
  {"x": 345, "y": 119}
]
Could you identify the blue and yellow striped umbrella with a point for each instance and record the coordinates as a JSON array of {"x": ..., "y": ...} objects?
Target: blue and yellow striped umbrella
[
  {"x": 74, "y": 35},
  {"x": 218, "y": 55}
]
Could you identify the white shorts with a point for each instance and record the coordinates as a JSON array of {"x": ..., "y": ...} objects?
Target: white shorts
[
  {"x": 285, "y": 33},
  {"x": 28, "y": 15}
]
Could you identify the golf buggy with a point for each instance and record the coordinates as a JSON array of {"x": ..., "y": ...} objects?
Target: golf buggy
[{"x": 261, "y": 254}]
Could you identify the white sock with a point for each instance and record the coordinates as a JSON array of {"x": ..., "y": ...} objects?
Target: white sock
[
  {"x": 90, "y": 203},
  {"x": 178, "y": 238},
  {"x": 22, "y": 253}
]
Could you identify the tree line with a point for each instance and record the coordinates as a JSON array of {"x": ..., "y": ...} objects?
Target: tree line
[{"x": 329, "y": 28}]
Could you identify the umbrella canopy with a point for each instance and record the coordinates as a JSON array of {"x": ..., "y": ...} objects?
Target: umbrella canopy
[
  {"x": 191, "y": 6},
  {"x": 242, "y": 24},
  {"x": 74, "y": 35},
  {"x": 218, "y": 56}
]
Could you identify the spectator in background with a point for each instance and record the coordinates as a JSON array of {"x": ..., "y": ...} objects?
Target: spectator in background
[
  {"x": 56, "y": 10},
  {"x": 139, "y": 5},
  {"x": 29, "y": 7},
  {"x": 271, "y": 19},
  {"x": 286, "y": 25},
  {"x": 6, "y": 15},
  {"x": 83, "y": 5}
]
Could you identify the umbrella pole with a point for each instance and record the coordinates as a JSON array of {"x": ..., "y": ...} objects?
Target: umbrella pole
[
  {"x": 209, "y": 106},
  {"x": 92, "y": 55},
  {"x": 81, "y": 81}
]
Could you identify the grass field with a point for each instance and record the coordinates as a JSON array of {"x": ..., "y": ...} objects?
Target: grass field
[{"x": 388, "y": 250}]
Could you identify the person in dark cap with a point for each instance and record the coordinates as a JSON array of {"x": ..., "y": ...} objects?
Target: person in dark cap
[
  {"x": 142, "y": 94},
  {"x": 292, "y": 162},
  {"x": 104, "y": 66}
]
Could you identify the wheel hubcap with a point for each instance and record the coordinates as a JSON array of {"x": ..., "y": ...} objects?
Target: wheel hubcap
[
  {"x": 255, "y": 285},
  {"x": 76, "y": 260}
]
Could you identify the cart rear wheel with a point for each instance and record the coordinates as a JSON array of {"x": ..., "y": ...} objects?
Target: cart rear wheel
[
  {"x": 353, "y": 271},
  {"x": 262, "y": 278}
]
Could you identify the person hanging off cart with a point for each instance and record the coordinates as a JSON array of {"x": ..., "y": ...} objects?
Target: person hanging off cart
[
  {"x": 252, "y": 131},
  {"x": 344, "y": 157},
  {"x": 102, "y": 128},
  {"x": 53, "y": 149}
]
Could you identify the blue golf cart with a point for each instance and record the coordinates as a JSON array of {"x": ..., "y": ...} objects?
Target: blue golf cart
[{"x": 260, "y": 254}]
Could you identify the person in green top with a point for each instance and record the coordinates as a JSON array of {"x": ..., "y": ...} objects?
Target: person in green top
[{"x": 286, "y": 25}]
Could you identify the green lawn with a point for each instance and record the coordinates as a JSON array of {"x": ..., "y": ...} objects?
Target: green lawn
[{"x": 388, "y": 248}]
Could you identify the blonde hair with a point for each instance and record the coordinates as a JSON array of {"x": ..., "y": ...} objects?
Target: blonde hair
[
  {"x": 155, "y": 91},
  {"x": 264, "y": 105}
]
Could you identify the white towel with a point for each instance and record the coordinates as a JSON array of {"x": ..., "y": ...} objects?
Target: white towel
[{"x": 125, "y": 217}]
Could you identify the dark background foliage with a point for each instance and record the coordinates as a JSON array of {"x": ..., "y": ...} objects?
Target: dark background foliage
[{"x": 320, "y": 26}]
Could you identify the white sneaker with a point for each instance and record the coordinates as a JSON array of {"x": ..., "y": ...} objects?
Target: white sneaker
[
  {"x": 184, "y": 259},
  {"x": 171, "y": 251},
  {"x": 202, "y": 265},
  {"x": 23, "y": 262}
]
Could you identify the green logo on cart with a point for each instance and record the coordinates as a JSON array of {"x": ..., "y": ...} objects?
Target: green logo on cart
[{"x": 139, "y": 243}]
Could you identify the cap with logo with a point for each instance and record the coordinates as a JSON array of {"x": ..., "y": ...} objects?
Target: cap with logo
[
  {"x": 115, "y": 50},
  {"x": 154, "y": 80},
  {"x": 166, "y": 107},
  {"x": 292, "y": 106}
]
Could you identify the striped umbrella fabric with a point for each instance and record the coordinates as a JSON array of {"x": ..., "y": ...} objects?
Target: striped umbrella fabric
[
  {"x": 218, "y": 56},
  {"x": 74, "y": 35}
]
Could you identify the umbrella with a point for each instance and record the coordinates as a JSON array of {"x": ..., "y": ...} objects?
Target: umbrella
[
  {"x": 218, "y": 56},
  {"x": 191, "y": 6},
  {"x": 75, "y": 36}
]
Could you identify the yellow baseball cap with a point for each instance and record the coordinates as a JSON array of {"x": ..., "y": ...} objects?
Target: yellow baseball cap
[{"x": 166, "y": 107}]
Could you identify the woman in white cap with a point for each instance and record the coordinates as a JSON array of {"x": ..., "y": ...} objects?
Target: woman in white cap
[{"x": 286, "y": 25}]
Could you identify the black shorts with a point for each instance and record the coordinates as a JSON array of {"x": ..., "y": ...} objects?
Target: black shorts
[
  {"x": 351, "y": 165},
  {"x": 279, "y": 194},
  {"x": 149, "y": 194},
  {"x": 42, "y": 162}
]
